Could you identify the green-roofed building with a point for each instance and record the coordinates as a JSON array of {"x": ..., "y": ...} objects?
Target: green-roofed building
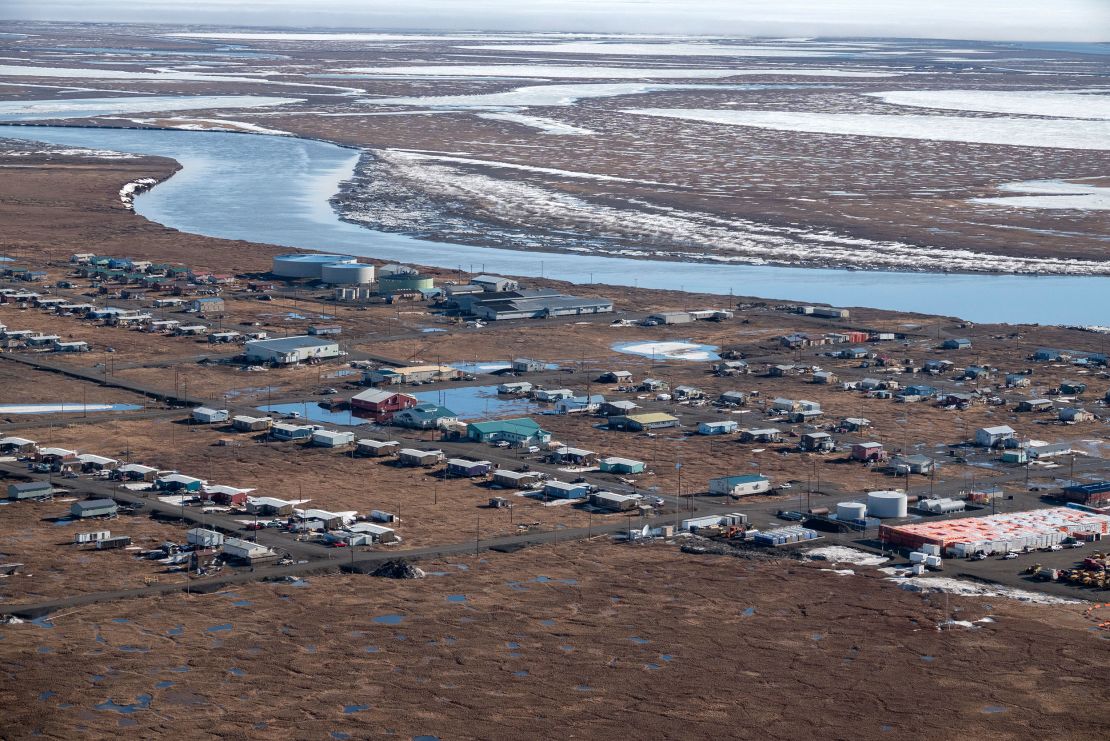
[{"x": 521, "y": 431}]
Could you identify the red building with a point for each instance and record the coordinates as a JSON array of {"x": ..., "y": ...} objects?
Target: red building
[
  {"x": 868, "y": 452},
  {"x": 382, "y": 404}
]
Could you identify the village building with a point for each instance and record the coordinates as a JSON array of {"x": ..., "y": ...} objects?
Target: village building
[
  {"x": 425, "y": 416},
  {"x": 207, "y": 415},
  {"x": 618, "y": 465},
  {"x": 463, "y": 468},
  {"x": 563, "y": 490},
  {"x": 519, "y": 432},
  {"x": 515, "y": 479},
  {"x": 718, "y": 427},
  {"x": 246, "y": 552},
  {"x": 816, "y": 442},
  {"x": 993, "y": 437},
  {"x": 643, "y": 422},
  {"x": 382, "y": 405},
  {"x": 290, "y": 350},
  {"x": 738, "y": 486},
  {"x": 612, "y": 502},
  {"x": 423, "y": 458},
  {"x": 377, "y": 448},
  {"x": 567, "y": 455},
  {"x": 245, "y": 423},
  {"x": 869, "y": 452},
  {"x": 30, "y": 490},
  {"x": 89, "y": 508},
  {"x": 332, "y": 438},
  {"x": 411, "y": 374}
]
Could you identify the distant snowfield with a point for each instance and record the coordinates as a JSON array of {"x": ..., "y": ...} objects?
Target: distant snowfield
[
  {"x": 680, "y": 49},
  {"x": 1051, "y": 194},
  {"x": 548, "y": 95},
  {"x": 1021, "y": 132},
  {"x": 161, "y": 75},
  {"x": 601, "y": 73},
  {"x": 86, "y": 107},
  {"x": 1054, "y": 103}
]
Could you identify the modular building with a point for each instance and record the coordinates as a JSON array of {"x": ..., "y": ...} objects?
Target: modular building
[
  {"x": 618, "y": 465},
  {"x": 992, "y": 437},
  {"x": 563, "y": 490},
  {"x": 738, "y": 486},
  {"x": 467, "y": 469},
  {"x": 377, "y": 448},
  {"x": 30, "y": 490},
  {"x": 283, "y": 431},
  {"x": 178, "y": 482},
  {"x": 244, "y": 423},
  {"x": 204, "y": 538},
  {"x": 245, "y": 551},
  {"x": 515, "y": 479},
  {"x": 718, "y": 427},
  {"x": 207, "y": 415},
  {"x": 269, "y": 507},
  {"x": 332, "y": 438},
  {"x": 642, "y": 422},
  {"x": 94, "y": 508},
  {"x": 290, "y": 350},
  {"x": 521, "y": 431},
  {"x": 607, "y": 500},
  {"x": 413, "y": 457},
  {"x": 382, "y": 404}
]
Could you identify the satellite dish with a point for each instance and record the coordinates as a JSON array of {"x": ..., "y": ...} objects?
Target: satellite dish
[{"x": 646, "y": 532}]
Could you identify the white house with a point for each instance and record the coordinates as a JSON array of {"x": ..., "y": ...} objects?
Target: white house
[
  {"x": 991, "y": 437},
  {"x": 207, "y": 415},
  {"x": 738, "y": 486}
]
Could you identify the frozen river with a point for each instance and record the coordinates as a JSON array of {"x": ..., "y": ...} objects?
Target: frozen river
[{"x": 275, "y": 190}]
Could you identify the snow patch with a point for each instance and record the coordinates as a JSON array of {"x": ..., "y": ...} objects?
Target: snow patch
[
  {"x": 843, "y": 554},
  {"x": 973, "y": 589},
  {"x": 1051, "y": 194},
  {"x": 546, "y": 125}
]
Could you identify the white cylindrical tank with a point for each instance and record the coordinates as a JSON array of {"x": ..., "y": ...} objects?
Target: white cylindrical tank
[
  {"x": 347, "y": 274},
  {"x": 886, "y": 504},
  {"x": 304, "y": 265},
  {"x": 851, "y": 511}
]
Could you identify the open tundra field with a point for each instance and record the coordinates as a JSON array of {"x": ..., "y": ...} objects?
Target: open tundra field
[{"x": 896, "y": 154}]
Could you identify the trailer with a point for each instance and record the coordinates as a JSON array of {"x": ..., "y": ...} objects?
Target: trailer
[{"x": 119, "y": 541}]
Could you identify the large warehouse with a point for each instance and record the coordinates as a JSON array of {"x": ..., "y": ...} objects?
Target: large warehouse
[
  {"x": 289, "y": 350},
  {"x": 1003, "y": 533}
]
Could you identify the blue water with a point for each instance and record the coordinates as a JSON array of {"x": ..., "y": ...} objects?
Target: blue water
[
  {"x": 1069, "y": 47},
  {"x": 237, "y": 672},
  {"x": 221, "y": 628},
  {"x": 348, "y": 709},
  {"x": 389, "y": 619},
  {"x": 372, "y": 650},
  {"x": 276, "y": 189},
  {"x": 456, "y": 598},
  {"x": 313, "y": 412},
  {"x": 639, "y": 641},
  {"x": 478, "y": 402}
]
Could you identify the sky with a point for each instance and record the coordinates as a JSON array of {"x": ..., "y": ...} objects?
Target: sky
[{"x": 1006, "y": 20}]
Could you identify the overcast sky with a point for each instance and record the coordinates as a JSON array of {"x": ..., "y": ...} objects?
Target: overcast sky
[{"x": 1056, "y": 20}]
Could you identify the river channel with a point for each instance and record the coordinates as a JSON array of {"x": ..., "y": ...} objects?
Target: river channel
[{"x": 276, "y": 190}]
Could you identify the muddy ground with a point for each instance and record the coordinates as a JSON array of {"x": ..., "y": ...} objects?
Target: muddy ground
[{"x": 590, "y": 638}]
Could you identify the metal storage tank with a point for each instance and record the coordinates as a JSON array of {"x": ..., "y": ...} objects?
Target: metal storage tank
[
  {"x": 403, "y": 282},
  {"x": 304, "y": 265},
  {"x": 886, "y": 504},
  {"x": 347, "y": 274},
  {"x": 851, "y": 511}
]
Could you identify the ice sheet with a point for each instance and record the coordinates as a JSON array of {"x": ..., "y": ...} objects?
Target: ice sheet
[
  {"x": 548, "y": 95},
  {"x": 1055, "y": 103},
  {"x": 1021, "y": 132},
  {"x": 29, "y": 110}
]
